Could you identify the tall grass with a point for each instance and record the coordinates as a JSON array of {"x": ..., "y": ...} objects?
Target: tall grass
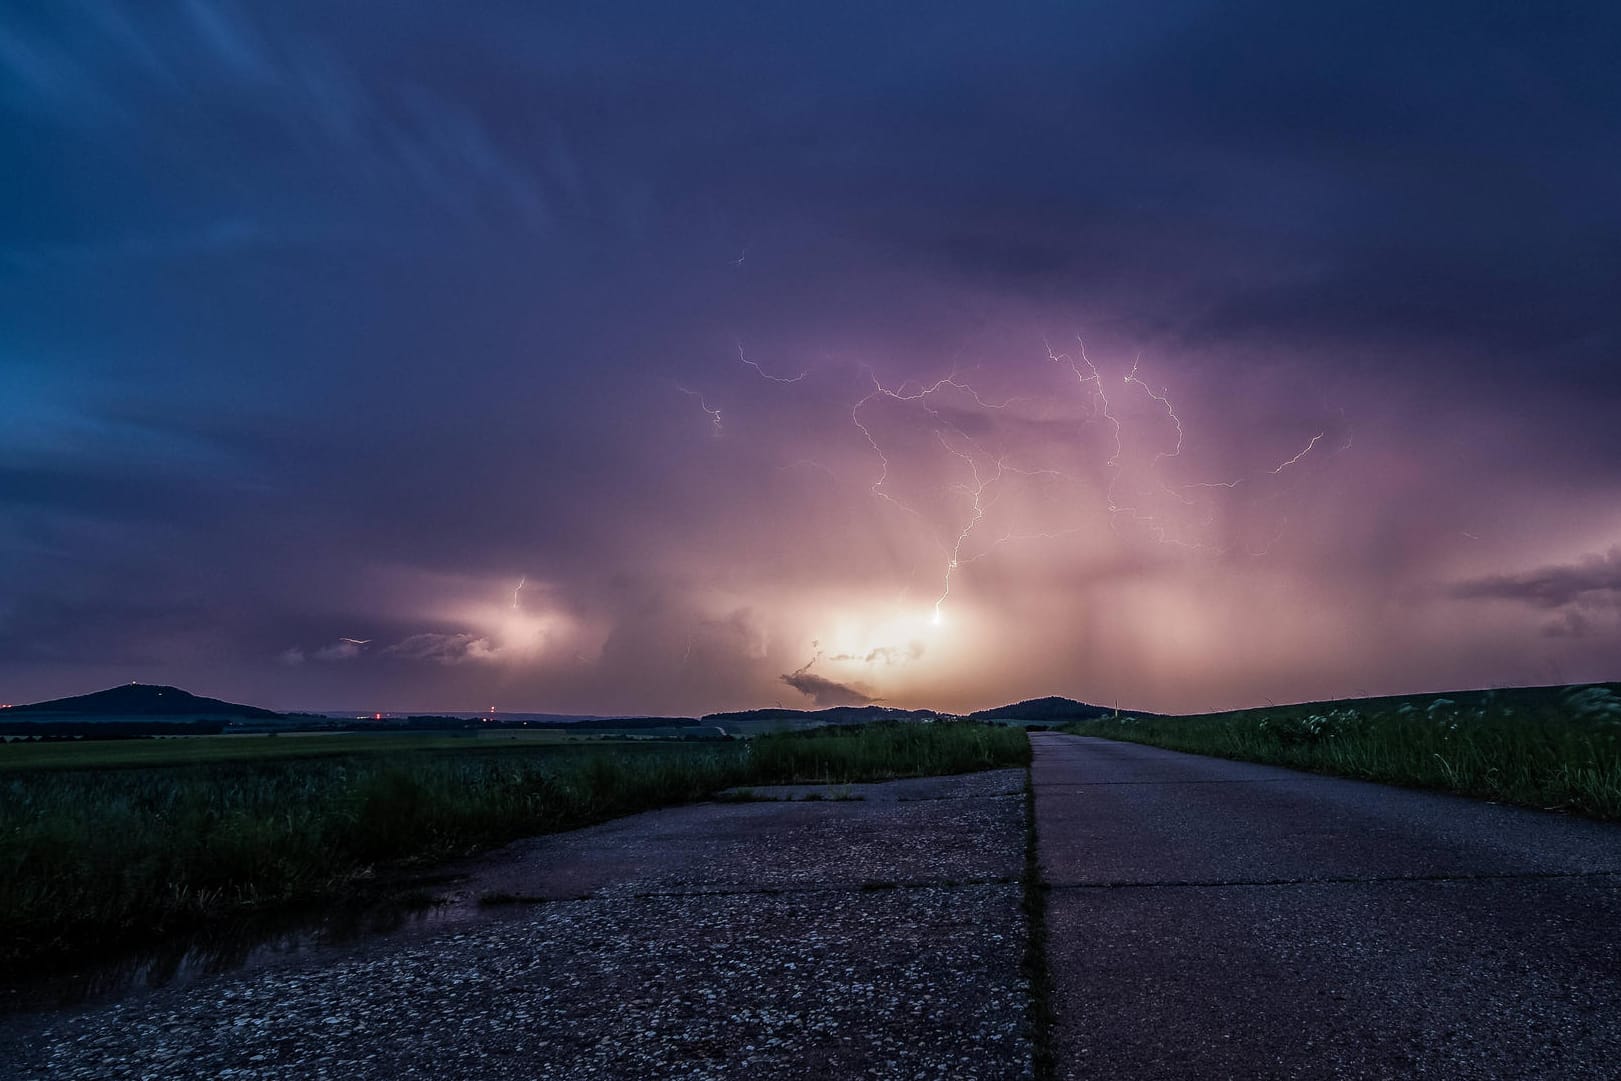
[
  {"x": 874, "y": 752},
  {"x": 1557, "y": 750},
  {"x": 97, "y": 857}
]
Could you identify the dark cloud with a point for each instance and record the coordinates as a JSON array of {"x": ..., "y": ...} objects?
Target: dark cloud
[
  {"x": 1596, "y": 578},
  {"x": 825, "y": 692},
  {"x": 315, "y": 331}
]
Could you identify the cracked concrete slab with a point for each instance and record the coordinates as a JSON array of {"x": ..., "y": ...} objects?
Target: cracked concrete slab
[
  {"x": 998, "y": 782},
  {"x": 1318, "y": 927},
  {"x": 1506, "y": 978},
  {"x": 898, "y": 984},
  {"x": 760, "y": 940},
  {"x": 1299, "y": 826},
  {"x": 713, "y": 847}
]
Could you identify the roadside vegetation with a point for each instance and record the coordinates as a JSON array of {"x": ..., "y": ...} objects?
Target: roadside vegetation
[
  {"x": 1553, "y": 748},
  {"x": 100, "y": 857},
  {"x": 257, "y": 747},
  {"x": 837, "y": 755}
]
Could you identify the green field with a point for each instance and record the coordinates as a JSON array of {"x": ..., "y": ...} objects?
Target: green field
[
  {"x": 1557, "y": 748},
  {"x": 103, "y": 851},
  {"x": 256, "y": 747}
]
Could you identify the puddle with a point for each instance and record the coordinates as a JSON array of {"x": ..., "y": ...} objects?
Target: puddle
[{"x": 420, "y": 906}]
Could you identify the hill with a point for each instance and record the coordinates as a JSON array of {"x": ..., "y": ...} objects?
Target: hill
[
  {"x": 1044, "y": 710},
  {"x": 131, "y": 701},
  {"x": 750, "y": 722},
  {"x": 832, "y": 715},
  {"x": 1526, "y": 698}
]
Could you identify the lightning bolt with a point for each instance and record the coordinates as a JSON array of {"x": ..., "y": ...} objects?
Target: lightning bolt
[
  {"x": 1175, "y": 452},
  {"x": 763, "y": 374},
  {"x": 713, "y": 414},
  {"x": 1101, "y": 406},
  {"x": 523, "y": 581},
  {"x": 1133, "y": 495},
  {"x": 1295, "y": 460},
  {"x": 1153, "y": 523},
  {"x": 976, "y": 492},
  {"x": 1095, "y": 378}
]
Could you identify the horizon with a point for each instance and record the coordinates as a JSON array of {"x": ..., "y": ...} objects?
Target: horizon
[
  {"x": 637, "y": 361},
  {"x": 451, "y": 711}
]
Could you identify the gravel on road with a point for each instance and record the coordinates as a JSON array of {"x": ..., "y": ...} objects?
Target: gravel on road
[{"x": 873, "y": 938}]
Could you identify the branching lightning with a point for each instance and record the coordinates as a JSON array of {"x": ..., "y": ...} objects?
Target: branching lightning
[
  {"x": 975, "y": 492},
  {"x": 1133, "y": 494},
  {"x": 1098, "y": 394},
  {"x": 1175, "y": 452}
]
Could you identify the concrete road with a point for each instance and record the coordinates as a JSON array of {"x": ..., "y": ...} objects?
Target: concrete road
[
  {"x": 874, "y": 931},
  {"x": 1214, "y": 919}
]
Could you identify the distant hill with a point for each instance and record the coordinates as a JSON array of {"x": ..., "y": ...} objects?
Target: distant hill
[
  {"x": 833, "y": 715},
  {"x": 1527, "y": 698},
  {"x": 751, "y": 722},
  {"x": 1044, "y": 710},
  {"x": 134, "y": 700},
  {"x": 484, "y": 723},
  {"x": 506, "y": 717}
]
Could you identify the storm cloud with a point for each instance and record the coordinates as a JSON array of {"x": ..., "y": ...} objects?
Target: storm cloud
[
  {"x": 824, "y": 692},
  {"x": 1593, "y": 578},
  {"x": 617, "y": 359}
]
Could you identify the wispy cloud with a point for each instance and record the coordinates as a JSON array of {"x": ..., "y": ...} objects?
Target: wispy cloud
[
  {"x": 444, "y": 648},
  {"x": 344, "y": 649},
  {"x": 884, "y": 654}
]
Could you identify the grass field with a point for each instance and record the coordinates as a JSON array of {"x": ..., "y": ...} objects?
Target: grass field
[
  {"x": 257, "y": 747},
  {"x": 97, "y": 856},
  {"x": 1557, "y": 748}
]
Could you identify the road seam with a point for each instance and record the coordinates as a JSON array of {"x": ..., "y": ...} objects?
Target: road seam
[
  {"x": 1336, "y": 880},
  {"x": 1034, "y": 964},
  {"x": 1247, "y": 780},
  {"x": 946, "y": 799},
  {"x": 874, "y": 886}
]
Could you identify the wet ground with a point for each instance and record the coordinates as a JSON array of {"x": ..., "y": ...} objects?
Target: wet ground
[{"x": 875, "y": 931}]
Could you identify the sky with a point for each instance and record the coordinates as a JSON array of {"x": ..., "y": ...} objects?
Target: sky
[{"x": 669, "y": 358}]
